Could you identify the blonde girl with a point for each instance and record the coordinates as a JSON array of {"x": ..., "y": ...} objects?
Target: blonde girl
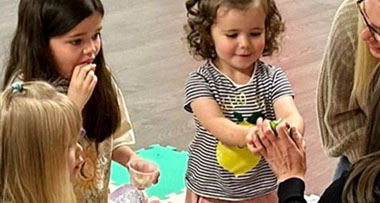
[
  {"x": 228, "y": 93},
  {"x": 39, "y": 131}
]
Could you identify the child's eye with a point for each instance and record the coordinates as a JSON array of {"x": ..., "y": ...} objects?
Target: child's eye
[
  {"x": 96, "y": 36},
  {"x": 76, "y": 42},
  {"x": 256, "y": 34},
  {"x": 231, "y": 35}
]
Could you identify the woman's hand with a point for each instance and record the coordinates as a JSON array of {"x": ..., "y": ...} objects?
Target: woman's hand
[
  {"x": 82, "y": 84},
  {"x": 285, "y": 153}
]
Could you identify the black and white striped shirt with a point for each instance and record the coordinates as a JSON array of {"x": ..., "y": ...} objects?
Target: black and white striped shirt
[{"x": 204, "y": 175}]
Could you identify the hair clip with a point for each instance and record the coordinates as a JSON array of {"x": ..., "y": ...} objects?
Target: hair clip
[
  {"x": 82, "y": 132},
  {"x": 17, "y": 86}
]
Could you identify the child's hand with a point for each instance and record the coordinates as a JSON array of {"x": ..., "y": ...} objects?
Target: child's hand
[
  {"x": 252, "y": 138},
  {"x": 156, "y": 174},
  {"x": 82, "y": 84},
  {"x": 285, "y": 153}
]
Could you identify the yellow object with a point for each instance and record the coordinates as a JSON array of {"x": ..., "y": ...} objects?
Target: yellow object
[{"x": 235, "y": 159}]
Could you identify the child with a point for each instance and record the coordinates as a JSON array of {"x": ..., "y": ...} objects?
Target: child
[
  {"x": 228, "y": 93},
  {"x": 59, "y": 41},
  {"x": 39, "y": 131}
]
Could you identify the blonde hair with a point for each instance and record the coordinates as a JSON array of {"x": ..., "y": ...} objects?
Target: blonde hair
[
  {"x": 37, "y": 127},
  {"x": 361, "y": 183},
  {"x": 365, "y": 64}
]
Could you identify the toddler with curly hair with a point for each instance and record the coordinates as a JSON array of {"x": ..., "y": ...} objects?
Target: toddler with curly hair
[{"x": 228, "y": 93}]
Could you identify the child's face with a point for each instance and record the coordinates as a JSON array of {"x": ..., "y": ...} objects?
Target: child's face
[
  {"x": 75, "y": 159},
  {"x": 372, "y": 15},
  {"x": 78, "y": 46},
  {"x": 239, "y": 37}
]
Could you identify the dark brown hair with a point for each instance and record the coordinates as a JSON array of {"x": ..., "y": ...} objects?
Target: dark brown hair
[
  {"x": 38, "y": 22},
  {"x": 202, "y": 14}
]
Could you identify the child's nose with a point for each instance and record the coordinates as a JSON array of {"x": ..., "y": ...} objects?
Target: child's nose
[
  {"x": 79, "y": 151},
  {"x": 244, "y": 42},
  {"x": 90, "y": 49}
]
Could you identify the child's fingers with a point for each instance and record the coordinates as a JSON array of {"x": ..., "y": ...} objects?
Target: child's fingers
[
  {"x": 84, "y": 71},
  {"x": 257, "y": 144},
  {"x": 259, "y": 121},
  {"x": 90, "y": 77},
  {"x": 93, "y": 83},
  {"x": 268, "y": 132},
  {"x": 261, "y": 132},
  {"x": 156, "y": 177},
  {"x": 251, "y": 147},
  {"x": 78, "y": 71},
  {"x": 75, "y": 72},
  {"x": 264, "y": 139}
]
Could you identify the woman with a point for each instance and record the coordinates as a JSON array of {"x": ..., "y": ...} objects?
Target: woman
[
  {"x": 286, "y": 155},
  {"x": 349, "y": 66}
]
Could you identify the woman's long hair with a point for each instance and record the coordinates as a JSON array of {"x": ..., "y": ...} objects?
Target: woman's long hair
[
  {"x": 365, "y": 65},
  {"x": 38, "y": 22},
  {"x": 37, "y": 127},
  {"x": 361, "y": 184}
]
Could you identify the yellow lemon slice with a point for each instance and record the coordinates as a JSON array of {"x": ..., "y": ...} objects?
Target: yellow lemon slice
[{"x": 235, "y": 159}]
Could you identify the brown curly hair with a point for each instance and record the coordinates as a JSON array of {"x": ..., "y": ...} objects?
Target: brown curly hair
[{"x": 202, "y": 14}]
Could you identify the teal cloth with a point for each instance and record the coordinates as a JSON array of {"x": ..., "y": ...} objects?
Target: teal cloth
[{"x": 172, "y": 166}]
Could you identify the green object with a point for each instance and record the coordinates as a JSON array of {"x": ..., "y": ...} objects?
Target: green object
[
  {"x": 253, "y": 118},
  {"x": 274, "y": 124},
  {"x": 239, "y": 117},
  {"x": 172, "y": 166}
]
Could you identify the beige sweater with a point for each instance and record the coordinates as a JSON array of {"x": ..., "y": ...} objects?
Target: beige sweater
[{"x": 342, "y": 127}]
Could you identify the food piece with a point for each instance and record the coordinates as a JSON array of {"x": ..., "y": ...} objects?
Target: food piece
[{"x": 273, "y": 125}]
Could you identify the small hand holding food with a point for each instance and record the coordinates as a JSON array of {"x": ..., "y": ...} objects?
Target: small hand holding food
[
  {"x": 82, "y": 84},
  {"x": 285, "y": 153}
]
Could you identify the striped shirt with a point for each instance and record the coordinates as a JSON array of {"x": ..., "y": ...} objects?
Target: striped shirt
[{"x": 204, "y": 175}]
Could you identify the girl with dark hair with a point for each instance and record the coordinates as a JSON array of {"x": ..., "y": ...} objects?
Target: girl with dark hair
[{"x": 59, "y": 41}]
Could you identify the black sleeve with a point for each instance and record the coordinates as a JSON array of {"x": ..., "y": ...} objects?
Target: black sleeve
[{"x": 291, "y": 191}]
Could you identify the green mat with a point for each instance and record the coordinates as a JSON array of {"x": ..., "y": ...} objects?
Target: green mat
[{"x": 172, "y": 166}]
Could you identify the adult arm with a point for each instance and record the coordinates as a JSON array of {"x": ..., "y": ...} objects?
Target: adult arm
[
  {"x": 286, "y": 156},
  {"x": 291, "y": 191}
]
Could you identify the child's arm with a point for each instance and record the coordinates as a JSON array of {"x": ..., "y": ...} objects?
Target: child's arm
[
  {"x": 211, "y": 117},
  {"x": 286, "y": 110},
  {"x": 123, "y": 154}
]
